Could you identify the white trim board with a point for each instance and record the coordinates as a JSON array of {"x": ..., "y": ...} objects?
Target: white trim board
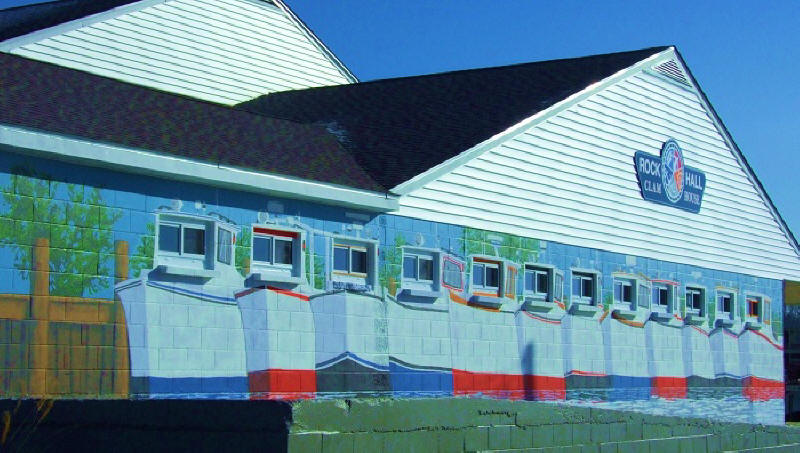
[{"x": 85, "y": 152}]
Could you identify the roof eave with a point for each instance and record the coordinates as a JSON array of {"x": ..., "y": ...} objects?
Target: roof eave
[{"x": 115, "y": 157}]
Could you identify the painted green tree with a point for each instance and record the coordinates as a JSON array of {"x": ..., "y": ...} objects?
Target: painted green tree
[
  {"x": 79, "y": 230},
  {"x": 242, "y": 251},
  {"x": 516, "y": 249},
  {"x": 392, "y": 264},
  {"x": 143, "y": 258}
]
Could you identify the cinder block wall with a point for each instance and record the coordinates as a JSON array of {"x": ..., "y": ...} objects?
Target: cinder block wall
[
  {"x": 366, "y": 425},
  {"x": 470, "y": 424}
]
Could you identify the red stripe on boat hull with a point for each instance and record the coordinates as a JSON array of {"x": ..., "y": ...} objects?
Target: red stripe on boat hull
[
  {"x": 282, "y": 384},
  {"x": 760, "y": 389},
  {"x": 669, "y": 387},
  {"x": 513, "y": 386}
]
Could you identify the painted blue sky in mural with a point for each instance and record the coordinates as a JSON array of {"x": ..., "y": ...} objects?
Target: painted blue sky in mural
[{"x": 742, "y": 53}]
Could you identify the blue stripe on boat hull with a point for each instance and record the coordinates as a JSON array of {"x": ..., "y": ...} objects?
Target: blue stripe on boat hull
[
  {"x": 190, "y": 387},
  {"x": 409, "y": 381}
]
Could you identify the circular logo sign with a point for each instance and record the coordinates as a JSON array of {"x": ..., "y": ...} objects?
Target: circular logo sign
[{"x": 672, "y": 171}]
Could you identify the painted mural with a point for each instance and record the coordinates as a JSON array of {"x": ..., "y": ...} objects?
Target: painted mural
[{"x": 111, "y": 286}]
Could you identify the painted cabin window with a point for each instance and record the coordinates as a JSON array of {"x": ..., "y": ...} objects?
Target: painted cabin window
[
  {"x": 624, "y": 292},
  {"x": 452, "y": 274},
  {"x": 662, "y": 297},
  {"x": 275, "y": 250},
  {"x": 754, "y": 307},
  {"x": 351, "y": 260},
  {"x": 418, "y": 268},
  {"x": 558, "y": 286},
  {"x": 725, "y": 304},
  {"x": 694, "y": 301},
  {"x": 184, "y": 239},
  {"x": 486, "y": 277},
  {"x": 643, "y": 293},
  {"x": 224, "y": 245},
  {"x": 584, "y": 286},
  {"x": 353, "y": 264},
  {"x": 537, "y": 282}
]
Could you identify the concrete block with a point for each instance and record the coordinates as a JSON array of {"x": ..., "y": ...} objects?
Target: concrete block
[
  {"x": 608, "y": 448},
  {"x": 581, "y": 434},
  {"x": 544, "y": 436},
  {"x": 635, "y": 446},
  {"x": 618, "y": 432},
  {"x": 665, "y": 445},
  {"x": 415, "y": 441},
  {"x": 305, "y": 443},
  {"x": 499, "y": 437},
  {"x": 338, "y": 443},
  {"x": 656, "y": 431},
  {"x": 476, "y": 439},
  {"x": 634, "y": 430},
  {"x": 766, "y": 439},
  {"x": 713, "y": 443},
  {"x": 562, "y": 435},
  {"x": 448, "y": 441},
  {"x": 368, "y": 442},
  {"x": 521, "y": 437},
  {"x": 600, "y": 432}
]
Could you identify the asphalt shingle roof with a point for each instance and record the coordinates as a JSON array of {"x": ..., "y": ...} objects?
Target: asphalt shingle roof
[
  {"x": 399, "y": 128},
  {"x": 372, "y": 135},
  {"x": 51, "y": 98}
]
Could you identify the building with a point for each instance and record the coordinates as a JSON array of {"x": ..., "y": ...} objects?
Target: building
[{"x": 191, "y": 211}]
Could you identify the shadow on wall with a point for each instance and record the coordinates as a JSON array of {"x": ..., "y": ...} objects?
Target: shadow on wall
[{"x": 142, "y": 425}]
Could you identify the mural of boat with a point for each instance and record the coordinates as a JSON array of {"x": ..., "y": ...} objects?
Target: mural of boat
[
  {"x": 664, "y": 339},
  {"x": 351, "y": 344},
  {"x": 539, "y": 333},
  {"x": 418, "y": 324},
  {"x": 761, "y": 355},
  {"x": 585, "y": 366},
  {"x": 276, "y": 315},
  {"x": 350, "y": 323},
  {"x": 280, "y": 342},
  {"x": 485, "y": 346},
  {"x": 184, "y": 327},
  {"x": 698, "y": 360},
  {"x": 624, "y": 339}
]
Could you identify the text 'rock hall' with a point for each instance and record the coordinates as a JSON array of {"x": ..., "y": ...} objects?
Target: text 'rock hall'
[{"x": 199, "y": 200}]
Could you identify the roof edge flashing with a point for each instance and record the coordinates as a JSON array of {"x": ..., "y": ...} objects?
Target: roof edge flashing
[{"x": 113, "y": 157}]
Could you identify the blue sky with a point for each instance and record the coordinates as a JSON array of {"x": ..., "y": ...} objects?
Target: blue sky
[{"x": 744, "y": 54}]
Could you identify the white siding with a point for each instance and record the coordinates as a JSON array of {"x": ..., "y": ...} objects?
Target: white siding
[
  {"x": 571, "y": 179},
  {"x": 224, "y": 51}
]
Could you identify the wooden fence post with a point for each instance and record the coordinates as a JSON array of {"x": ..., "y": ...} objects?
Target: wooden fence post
[
  {"x": 121, "y": 371},
  {"x": 40, "y": 314}
]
